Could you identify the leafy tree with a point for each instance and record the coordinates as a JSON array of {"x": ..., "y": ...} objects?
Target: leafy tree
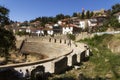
[
  {"x": 71, "y": 36},
  {"x": 60, "y": 16},
  {"x": 44, "y": 20},
  {"x": 88, "y": 14},
  {"x": 113, "y": 22},
  {"x": 74, "y": 14},
  {"x": 67, "y": 16},
  {"x": 25, "y": 23},
  {"x": 109, "y": 13},
  {"x": 20, "y": 33},
  {"x": 7, "y": 39},
  {"x": 115, "y": 8},
  {"x": 91, "y": 14},
  {"x": 50, "y": 19},
  {"x": 4, "y": 16},
  {"x": 83, "y": 15}
]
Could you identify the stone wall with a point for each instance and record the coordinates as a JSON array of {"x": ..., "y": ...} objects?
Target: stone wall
[
  {"x": 60, "y": 65},
  {"x": 56, "y": 64}
]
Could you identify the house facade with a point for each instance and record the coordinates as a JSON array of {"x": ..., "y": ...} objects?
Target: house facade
[
  {"x": 83, "y": 23},
  {"x": 92, "y": 22},
  {"x": 117, "y": 16},
  {"x": 67, "y": 30}
]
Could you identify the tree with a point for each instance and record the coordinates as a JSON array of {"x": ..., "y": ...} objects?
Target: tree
[
  {"x": 67, "y": 16},
  {"x": 60, "y": 16},
  {"x": 83, "y": 15},
  {"x": 88, "y": 14},
  {"x": 115, "y": 8},
  {"x": 91, "y": 14},
  {"x": 113, "y": 22},
  {"x": 71, "y": 36},
  {"x": 7, "y": 39},
  {"x": 74, "y": 14},
  {"x": 4, "y": 16}
]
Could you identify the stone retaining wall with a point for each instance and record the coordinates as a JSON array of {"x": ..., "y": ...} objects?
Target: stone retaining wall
[{"x": 56, "y": 64}]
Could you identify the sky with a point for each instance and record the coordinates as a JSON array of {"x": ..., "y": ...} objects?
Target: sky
[{"x": 22, "y": 10}]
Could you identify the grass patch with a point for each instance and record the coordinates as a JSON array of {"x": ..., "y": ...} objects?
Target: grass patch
[{"x": 105, "y": 61}]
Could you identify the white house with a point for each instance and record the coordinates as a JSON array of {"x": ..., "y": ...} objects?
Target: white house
[
  {"x": 50, "y": 32},
  {"x": 92, "y": 22},
  {"x": 23, "y": 28},
  {"x": 67, "y": 29},
  {"x": 28, "y": 30},
  {"x": 56, "y": 25},
  {"x": 49, "y": 29},
  {"x": 39, "y": 32},
  {"x": 83, "y": 23},
  {"x": 118, "y": 16},
  {"x": 59, "y": 22}
]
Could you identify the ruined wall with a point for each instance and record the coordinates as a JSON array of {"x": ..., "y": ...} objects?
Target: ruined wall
[
  {"x": 55, "y": 64},
  {"x": 60, "y": 65}
]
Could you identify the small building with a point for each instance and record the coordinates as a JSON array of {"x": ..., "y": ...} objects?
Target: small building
[
  {"x": 28, "y": 30},
  {"x": 48, "y": 31},
  {"x": 100, "y": 19},
  {"x": 70, "y": 29},
  {"x": 92, "y": 22},
  {"x": 83, "y": 23},
  {"x": 57, "y": 29},
  {"x": 22, "y": 29},
  {"x": 39, "y": 31},
  {"x": 117, "y": 16},
  {"x": 66, "y": 29}
]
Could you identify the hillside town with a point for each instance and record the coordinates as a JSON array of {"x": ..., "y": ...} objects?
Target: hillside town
[
  {"x": 81, "y": 46},
  {"x": 72, "y": 25}
]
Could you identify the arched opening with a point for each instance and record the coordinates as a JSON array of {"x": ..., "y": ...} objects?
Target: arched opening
[
  {"x": 38, "y": 73},
  {"x": 74, "y": 59}
]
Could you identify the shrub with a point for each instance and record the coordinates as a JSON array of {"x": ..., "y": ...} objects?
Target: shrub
[{"x": 71, "y": 36}]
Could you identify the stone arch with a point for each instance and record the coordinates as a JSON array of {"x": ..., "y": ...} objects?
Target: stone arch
[
  {"x": 55, "y": 40},
  {"x": 60, "y": 41},
  {"x": 83, "y": 56},
  {"x": 61, "y": 65},
  {"x": 38, "y": 73},
  {"x": 74, "y": 59},
  {"x": 65, "y": 41}
]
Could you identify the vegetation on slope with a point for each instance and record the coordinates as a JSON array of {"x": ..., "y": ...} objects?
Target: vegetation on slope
[
  {"x": 106, "y": 63},
  {"x": 7, "y": 39}
]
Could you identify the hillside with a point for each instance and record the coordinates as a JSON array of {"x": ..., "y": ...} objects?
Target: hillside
[
  {"x": 102, "y": 65},
  {"x": 106, "y": 56}
]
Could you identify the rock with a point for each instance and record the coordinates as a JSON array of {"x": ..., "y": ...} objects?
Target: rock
[
  {"x": 109, "y": 75},
  {"x": 106, "y": 60},
  {"x": 77, "y": 67},
  {"x": 84, "y": 67}
]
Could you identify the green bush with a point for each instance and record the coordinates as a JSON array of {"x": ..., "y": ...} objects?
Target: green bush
[
  {"x": 21, "y": 33},
  {"x": 71, "y": 36},
  {"x": 103, "y": 58}
]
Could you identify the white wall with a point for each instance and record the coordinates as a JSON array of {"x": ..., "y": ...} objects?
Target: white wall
[
  {"x": 40, "y": 32},
  {"x": 28, "y": 30},
  {"x": 119, "y": 18},
  {"x": 91, "y": 24},
  {"x": 67, "y": 30},
  {"x": 59, "y": 22},
  {"x": 50, "y": 32},
  {"x": 82, "y": 24}
]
